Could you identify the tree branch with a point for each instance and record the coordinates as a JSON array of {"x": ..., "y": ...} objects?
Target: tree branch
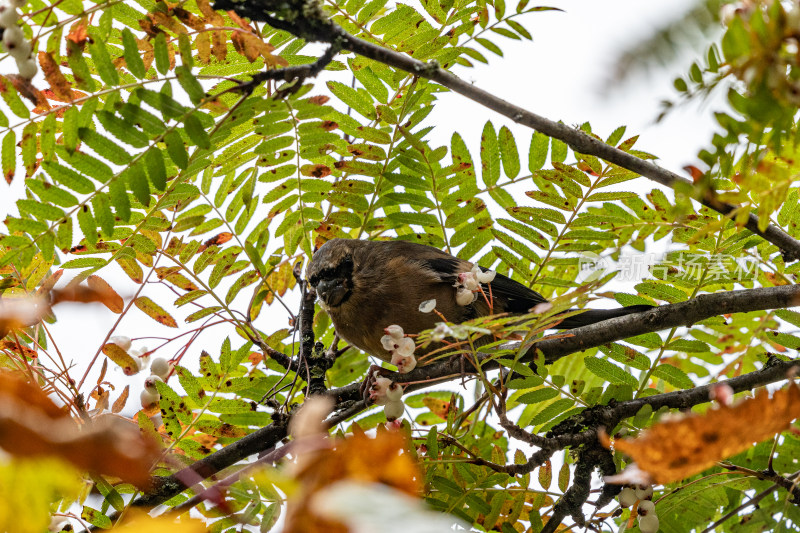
[{"x": 310, "y": 24}]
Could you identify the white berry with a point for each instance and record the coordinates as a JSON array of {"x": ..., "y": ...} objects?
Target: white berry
[
  {"x": 160, "y": 367},
  {"x": 646, "y": 507},
  {"x": 149, "y": 398},
  {"x": 393, "y": 410},
  {"x": 627, "y": 497},
  {"x": 643, "y": 492},
  {"x": 649, "y": 523}
]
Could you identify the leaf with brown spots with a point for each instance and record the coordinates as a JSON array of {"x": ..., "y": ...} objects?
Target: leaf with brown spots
[
  {"x": 211, "y": 15},
  {"x": 319, "y": 99},
  {"x": 248, "y": 45},
  {"x": 155, "y": 311},
  {"x": 202, "y": 44},
  {"x": 15, "y": 347},
  {"x": 318, "y": 171},
  {"x": 438, "y": 407},
  {"x": 678, "y": 448},
  {"x": 188, "y": 18},
  {"x": 219, "y": 45},
  {"x": 110, "y": 299},
  {"x": 52, "y": 73},
  {"x": 121, "y": 358}
]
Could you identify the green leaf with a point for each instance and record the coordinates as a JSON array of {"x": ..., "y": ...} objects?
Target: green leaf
[
  {"x": 196, "y": 132},
  {"x": 508, "y": 152},
  {"x": 104, "y": 147},
  {"x": 161, "y": 53},
  {"x": 102, "y": 61},
  {"x": 122, "y": 130},
  {"x": 190, "y": 84},
  {"x": 87, "y": 224},
  {"x": 68, "y": 177},
  {"x": 156, "y": 169},
  {"x": 176, "y": 149},
  {"x": 674, "y": 376},
  {"x": 137, "y": 183},
  {"x": 539, "y": 395},
  {"x": 119, "y": 199},
  {"x": 9, "y": 156},
  {"x": 537, "y": 156},
  {"x": 609, "y": 372},
  {"x": 102, "y": 213},
  {"x": 133, "y": 58},
  {"x": 490, "y": 155},
  {"x": 360, "y": 102}
]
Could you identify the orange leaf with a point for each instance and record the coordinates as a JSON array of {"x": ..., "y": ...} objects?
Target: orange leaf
[
  {"x": 110, "y": 298},
  {"x": 77, "y": 32},
  {"x": 155, "y": 311},
  {"x": 679, "y": 448},
  {"x": 119, "y": 404},
  {"x": 31, "y": 425},
  {"x": 220, "y": 238},
  {"x": 382, "y": 459}
]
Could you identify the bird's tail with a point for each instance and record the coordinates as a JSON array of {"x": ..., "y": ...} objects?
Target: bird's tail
[{"x": 593, "y": 316}]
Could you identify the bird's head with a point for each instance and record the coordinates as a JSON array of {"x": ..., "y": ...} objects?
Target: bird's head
[{"x": 330, "y": 271}]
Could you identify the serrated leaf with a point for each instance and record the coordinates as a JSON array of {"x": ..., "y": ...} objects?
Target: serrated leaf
[
  {"x": 609, "y": 372},
  {"x": 508, "y": 152},
  {"x": 121, "y": 358},
  {"x": 674, "y": 376},
  {"x": 9, "y": 157},
  {"x": 133, "y": 59},
  {"x": 360, "y": 102},
  {"x": 155, "y": 311}
]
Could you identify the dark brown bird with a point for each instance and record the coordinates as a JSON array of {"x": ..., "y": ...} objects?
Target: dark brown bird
[{"x": 366, "y": 286}]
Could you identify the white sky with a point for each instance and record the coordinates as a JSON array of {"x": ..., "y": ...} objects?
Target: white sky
[{"x": 560, "y": 76}]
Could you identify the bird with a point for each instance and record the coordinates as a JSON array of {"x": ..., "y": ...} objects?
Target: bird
[{"x": 366, "y": 286}]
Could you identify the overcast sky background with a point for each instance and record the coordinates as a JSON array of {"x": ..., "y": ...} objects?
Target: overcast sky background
[{"x": 560, "y": 75}]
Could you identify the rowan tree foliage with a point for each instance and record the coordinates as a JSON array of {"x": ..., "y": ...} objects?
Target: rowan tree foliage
[{"x": 183, "y": 160}]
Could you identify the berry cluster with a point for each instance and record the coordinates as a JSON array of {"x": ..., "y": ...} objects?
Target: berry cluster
[
  {"x": 469, "y": 283},
  {"x": 387, "y": 393},
  {"x": 401, "y": 348},
  {"x": 13, "y": 39},
  {"x": 646, "y": 510}
]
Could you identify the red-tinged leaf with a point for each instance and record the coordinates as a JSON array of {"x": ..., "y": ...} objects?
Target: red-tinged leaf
[
  {"x": 77, "y": 32},
  {"x": 155, "y": 311},
  {"x": 121, "y": 358},
  {"x": 111, "y": 299}
]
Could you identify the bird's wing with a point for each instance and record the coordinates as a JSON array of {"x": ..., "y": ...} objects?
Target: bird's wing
[{"x": 513, "y": 296}]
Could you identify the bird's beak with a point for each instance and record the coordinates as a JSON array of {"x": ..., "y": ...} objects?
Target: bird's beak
[{"x": 333, "y": 292}]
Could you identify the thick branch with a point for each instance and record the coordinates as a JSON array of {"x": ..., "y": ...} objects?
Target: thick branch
[{"x": 579, "y": 339}]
